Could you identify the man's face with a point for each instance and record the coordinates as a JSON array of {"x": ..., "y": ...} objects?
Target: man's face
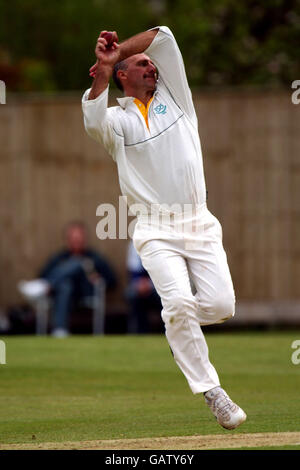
[
  {"x": 76, "y": 239},
  {"x": 141, "y": 73}
]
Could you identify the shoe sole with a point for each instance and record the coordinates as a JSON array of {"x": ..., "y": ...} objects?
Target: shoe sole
[{"x": 241, "y": 421}]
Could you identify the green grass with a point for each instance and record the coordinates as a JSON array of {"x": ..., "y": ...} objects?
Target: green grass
[{"x": 84, "y": 387}]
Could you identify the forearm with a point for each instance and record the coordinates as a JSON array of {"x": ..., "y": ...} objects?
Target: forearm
[
  {"x": 101, "y": 80},
  {"x": 136, "y": 44}
]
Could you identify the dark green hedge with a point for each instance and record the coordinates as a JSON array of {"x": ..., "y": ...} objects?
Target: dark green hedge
[{"x": 50, "y": 45}]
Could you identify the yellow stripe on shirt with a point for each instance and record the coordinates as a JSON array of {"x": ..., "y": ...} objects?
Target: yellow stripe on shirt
[{"x": 143, "y": 109}]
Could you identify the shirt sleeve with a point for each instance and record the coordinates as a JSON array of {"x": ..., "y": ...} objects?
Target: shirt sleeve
[
  {"x": 99, "y": 120},
  {"x": 166, "y": 55}
]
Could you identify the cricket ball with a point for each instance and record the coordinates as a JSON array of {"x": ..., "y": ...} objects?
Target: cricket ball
[{"x": 109, "y": 38}]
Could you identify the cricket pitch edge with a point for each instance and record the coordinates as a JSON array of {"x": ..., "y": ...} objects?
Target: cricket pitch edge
[{"x": 212, "y": 441}]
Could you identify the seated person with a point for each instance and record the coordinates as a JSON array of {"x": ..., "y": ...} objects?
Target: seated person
[
  {"x": 69, "y": 276},
  {"x": 140, "y": 293}
]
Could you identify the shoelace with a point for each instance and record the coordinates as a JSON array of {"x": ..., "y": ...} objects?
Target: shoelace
[{"x": 223, "y": 405}]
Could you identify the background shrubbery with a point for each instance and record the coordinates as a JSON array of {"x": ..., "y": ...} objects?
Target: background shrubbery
[{"x": 48, "y": 46}]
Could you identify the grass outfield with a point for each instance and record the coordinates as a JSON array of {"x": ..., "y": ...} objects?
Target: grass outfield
[{"x": 86, "y": 388}]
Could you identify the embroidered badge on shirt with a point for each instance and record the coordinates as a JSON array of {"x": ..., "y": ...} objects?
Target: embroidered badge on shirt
[{"x": 161, "y": 109}]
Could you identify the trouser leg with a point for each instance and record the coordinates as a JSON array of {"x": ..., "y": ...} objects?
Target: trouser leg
[
  {"x": 63, "y": 279},
  {"x": 210, "y": 274},
  {"x": 68, "y": 269},
  {"x": 62, "y": 303},
  {"x": 168, "y": 271}
]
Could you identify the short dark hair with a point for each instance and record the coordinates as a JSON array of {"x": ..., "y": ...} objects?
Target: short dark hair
[{"x": 119, "y": 66}]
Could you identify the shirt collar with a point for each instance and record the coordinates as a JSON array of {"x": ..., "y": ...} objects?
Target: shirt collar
[
  {"x": 123, "y": 102},
  {"x": 126, "y": 100}
]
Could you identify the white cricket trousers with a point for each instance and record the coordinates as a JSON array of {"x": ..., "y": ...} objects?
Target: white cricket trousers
[{"x": 174, "y": 257}]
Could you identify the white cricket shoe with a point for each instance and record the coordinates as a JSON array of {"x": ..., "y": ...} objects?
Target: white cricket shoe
[
  {"x": 228, "y": 414},
  {"x": 34, "y": 289}
]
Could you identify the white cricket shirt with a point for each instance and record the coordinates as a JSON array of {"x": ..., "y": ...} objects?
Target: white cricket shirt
[{"x": 160, "y": 164}]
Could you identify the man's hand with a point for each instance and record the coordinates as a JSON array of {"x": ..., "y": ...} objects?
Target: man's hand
[
  {"x": 102, "y": 70},
  {"x": 144, "y": 286},
  {"x": 106, "y": 56},
  {"x": 94, "y": 277}
]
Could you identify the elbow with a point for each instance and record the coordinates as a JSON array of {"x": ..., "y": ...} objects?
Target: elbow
[
  {"x": 92, "y": 130},
  {"x": 165, "y": 29}
]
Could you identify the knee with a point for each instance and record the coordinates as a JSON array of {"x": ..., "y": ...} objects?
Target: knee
[
  {"x": 223, "y": 307},
  {"x": 65, "y": 286}
]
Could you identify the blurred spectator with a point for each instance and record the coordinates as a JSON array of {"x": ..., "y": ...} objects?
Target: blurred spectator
[
  {"x": 4, "y": 322},
  {"x": 141, "y": 294},
  {"x": 69, "y": 276}
]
